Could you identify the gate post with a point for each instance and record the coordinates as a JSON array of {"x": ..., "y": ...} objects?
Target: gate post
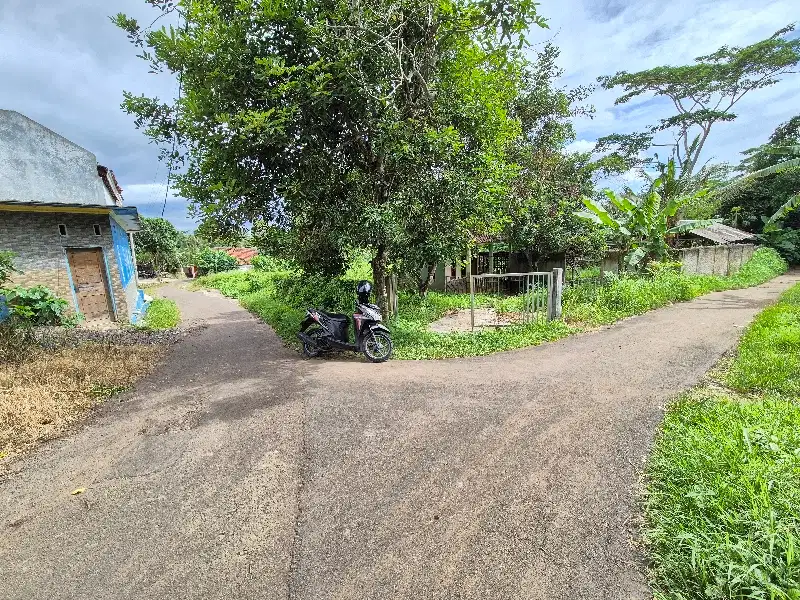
[
  {"x": 472, "y": 301},
  {"x": 554, "y": 294}
]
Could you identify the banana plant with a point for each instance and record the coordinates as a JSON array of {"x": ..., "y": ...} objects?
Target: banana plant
[{"x": 640, "y": 225}]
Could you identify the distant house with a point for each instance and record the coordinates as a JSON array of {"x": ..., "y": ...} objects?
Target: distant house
[
  {"x": 61, "y": 213},
  {"x": 244, "y": 256}
]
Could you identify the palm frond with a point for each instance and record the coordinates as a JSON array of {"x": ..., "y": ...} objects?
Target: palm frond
[
  {"x": 784, "y": 210},
  {"x": 599, "y": 212},
  {"x": 779, "y": 168},
  {"x": 621, "y": 202},
  {"x": 686, "y": 226}
]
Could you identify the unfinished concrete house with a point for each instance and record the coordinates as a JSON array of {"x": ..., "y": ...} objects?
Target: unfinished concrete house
[{"x": 61, "y": 213}]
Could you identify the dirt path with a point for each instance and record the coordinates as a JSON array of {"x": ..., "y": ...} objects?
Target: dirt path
[{"x": 241, "y": 471}]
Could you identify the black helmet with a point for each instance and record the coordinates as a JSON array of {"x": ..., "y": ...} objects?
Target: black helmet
[{"x": 363, "y": 289}]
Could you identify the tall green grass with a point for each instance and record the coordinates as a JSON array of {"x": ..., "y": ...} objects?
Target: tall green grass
[
  {"x": 769, "y": 355},
  {"x": 161, "y": 314},
  {"x": 723, "y": 482},
  {"x": 628, "y": 296}
]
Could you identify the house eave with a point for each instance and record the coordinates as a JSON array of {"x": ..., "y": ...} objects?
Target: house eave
[
  {"x": 55, "y": 207},
  {"x": 127, "y": 217}
]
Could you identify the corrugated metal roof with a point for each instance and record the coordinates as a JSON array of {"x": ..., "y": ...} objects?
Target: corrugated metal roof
[
  {"x": 722, "y": 234},
  {"x": 128, "y": 218}
]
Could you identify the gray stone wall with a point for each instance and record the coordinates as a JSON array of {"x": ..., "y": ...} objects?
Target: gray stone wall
[
  {"x": 715, "y": 260},
  {"x": 40, "y": 248},
  {"x": 38, "y": 165}
]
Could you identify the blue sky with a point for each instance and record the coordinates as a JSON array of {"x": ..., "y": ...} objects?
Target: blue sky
[{"x": 65, "y": 65}]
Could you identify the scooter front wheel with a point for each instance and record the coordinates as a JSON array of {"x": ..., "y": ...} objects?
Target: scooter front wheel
[{"x": 378, "y": 347}]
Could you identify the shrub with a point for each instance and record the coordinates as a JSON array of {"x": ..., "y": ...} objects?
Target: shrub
[
  {"x": 214, "y": 261},
  {"x": 327, "y": 293},
  {"x": 37, "y": 305},
  {"x": 6, "y": 267},
  {"x": 270, "y": 264},
  {"x": 765, "y": 264},
  {"x": 16, "y": 341},
  {"x": 237, "y": 284},
  {"x": 786, "y": 242},
  {"x": 162, "y": 314},
  {"x": 666, "y": 266}
]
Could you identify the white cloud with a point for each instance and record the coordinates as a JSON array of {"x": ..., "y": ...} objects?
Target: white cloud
[
  {"x": 581, "y": 146},
  {"x": 149, "y": 192},
  {"x": 601, "y": 37}
]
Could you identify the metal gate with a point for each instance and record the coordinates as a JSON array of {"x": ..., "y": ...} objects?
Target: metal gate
[{"x": 528, "y": 297}]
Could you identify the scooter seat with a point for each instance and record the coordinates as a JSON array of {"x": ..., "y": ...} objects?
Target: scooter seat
[{"x": 335, "y": 316}]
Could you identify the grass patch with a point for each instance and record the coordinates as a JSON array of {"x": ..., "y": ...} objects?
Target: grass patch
[
  {"x": 768, "y": 359},
  {"x": 280, "y": 298},
  {"x": 46, "y": 392},
  {"x": 161, "y": 314},
  {"x": 628, "y": 296},
  {"x": 722, "y": 503},
  {"x": 413, "y": 340}
]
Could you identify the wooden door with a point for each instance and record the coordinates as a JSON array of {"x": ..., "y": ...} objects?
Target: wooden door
[{"x": 89, "y": 281}]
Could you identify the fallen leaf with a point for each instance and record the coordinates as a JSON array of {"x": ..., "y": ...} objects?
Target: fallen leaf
[{"x": 78, "y": 491}]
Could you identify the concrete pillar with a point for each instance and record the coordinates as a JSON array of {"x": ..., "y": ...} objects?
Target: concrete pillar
[
  {"x": 439, "y": 279},
  {"x": 133, "y": 256},
  {"x": 555, "y": 293}
]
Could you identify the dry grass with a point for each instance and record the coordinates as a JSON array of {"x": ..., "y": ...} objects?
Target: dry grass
[{"x": 43, "y": 395}]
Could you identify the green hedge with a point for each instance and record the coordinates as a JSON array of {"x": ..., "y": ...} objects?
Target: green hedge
[{"x": 628, "y": 296}]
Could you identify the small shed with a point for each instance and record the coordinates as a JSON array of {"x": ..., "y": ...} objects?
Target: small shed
[{"x": 720, "y": 234}]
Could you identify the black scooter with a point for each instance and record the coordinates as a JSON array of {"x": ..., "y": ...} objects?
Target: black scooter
[{"x": 326, "y": 332}]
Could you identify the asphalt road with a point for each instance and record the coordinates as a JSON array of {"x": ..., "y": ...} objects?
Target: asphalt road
[{"x": 239, "y": 471}]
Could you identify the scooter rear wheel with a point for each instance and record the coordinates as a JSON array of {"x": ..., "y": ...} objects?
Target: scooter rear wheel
[
  {"x": 312, "y": 350},
  {"x": 378, "y": 347}
]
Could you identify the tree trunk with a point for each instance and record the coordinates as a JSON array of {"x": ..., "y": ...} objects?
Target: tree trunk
[
  {"x": 529, "y": 258},
  {"x": 426, "y": 282},
  {"x": 379, "y": 274}
]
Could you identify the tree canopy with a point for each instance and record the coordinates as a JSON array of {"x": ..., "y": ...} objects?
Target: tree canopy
[
  {"x": 765, "y": 188},
  {"x": 702, "y": 94},
  {"x": 379, "y": 124}
]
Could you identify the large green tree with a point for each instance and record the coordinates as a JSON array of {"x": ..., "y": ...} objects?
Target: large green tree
[
  {"x": 353, "y": 123},
  {"x": 158, "y": 243},
  {"x": 539, "y": 212},
  {"x": 702, "y": 95}
]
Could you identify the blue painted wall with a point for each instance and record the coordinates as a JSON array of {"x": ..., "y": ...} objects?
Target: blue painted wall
[
  {"x": 122, "y": 248},
  {"x": 4, "y": 312}
]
